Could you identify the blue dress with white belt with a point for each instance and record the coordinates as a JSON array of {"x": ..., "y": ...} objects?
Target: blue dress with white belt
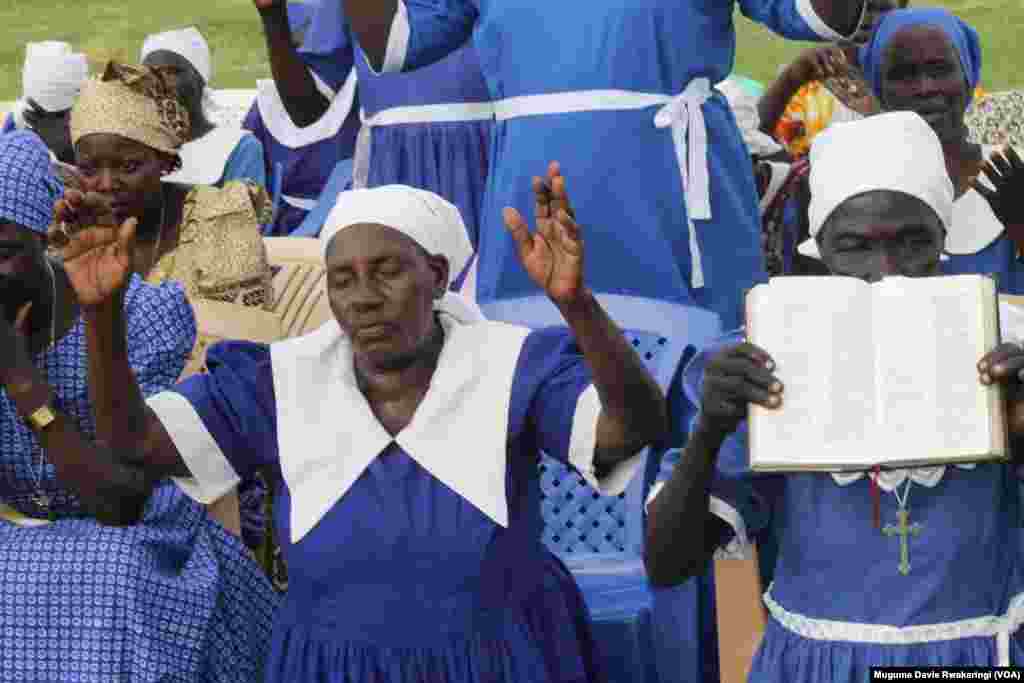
[
  {"x": 415, "y": 557},
  {"x": 429, "y": 129},
  {"x": 839, "y": 603},
  {"x": 620, "y": 94}
]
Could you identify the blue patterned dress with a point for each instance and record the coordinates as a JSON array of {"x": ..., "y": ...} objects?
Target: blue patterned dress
[{"x": 174, "y": 598}]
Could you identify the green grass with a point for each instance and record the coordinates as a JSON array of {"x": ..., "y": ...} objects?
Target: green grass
[
  {"x": 115, "y": 28},
  {"x": 999, "y": 22}
]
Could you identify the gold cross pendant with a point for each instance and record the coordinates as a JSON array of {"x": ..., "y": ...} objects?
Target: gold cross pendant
[{"x": 904, "y": 530}]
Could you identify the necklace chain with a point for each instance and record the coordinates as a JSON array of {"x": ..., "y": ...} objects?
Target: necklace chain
[{"x": 906, "y": 493}]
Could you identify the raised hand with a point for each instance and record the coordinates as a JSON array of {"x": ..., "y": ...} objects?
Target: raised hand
[
  {"x": 817, "y": 64},
  {"x": 97, "y": 252},
  {"x": 734, "y": 378},
  {"x": 1005, "y": 171},
  {"x": 553, "y": 254}
]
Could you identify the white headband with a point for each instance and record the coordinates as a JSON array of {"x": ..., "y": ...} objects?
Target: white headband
[
  {"x": 187, "y": 43},
  {"x": 53, "y": 75},
  {"x": 427, "y": 219},
  {"x": 896, "y": 151}
]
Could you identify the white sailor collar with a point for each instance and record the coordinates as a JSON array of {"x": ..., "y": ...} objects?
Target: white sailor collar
[
  {"x": 328, "y": 435},
  {"x": 203, "y": 160}
]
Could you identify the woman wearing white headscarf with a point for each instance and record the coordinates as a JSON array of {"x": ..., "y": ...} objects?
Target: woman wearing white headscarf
[
  {"x": 843, "y": 598},
  {"x": 213, "y": 155},
  {"x": 403, "y": 436},
  {"x": 51, "y": 80}
]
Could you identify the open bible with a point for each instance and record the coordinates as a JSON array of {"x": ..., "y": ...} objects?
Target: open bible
[{"x": 876, "y": 374}]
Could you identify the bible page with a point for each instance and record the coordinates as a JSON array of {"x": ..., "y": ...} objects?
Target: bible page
[
  {"x": 819, "y": 332},
  {"x": 932, "y": 332}
]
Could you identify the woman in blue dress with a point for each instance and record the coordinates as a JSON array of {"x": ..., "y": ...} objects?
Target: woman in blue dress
[
  {"x": 413, "y": 543},
  {"x": 842, "y": 599},
  {"x": 987, "y": 234},
  {"x": 173, "y": 597},
  {"x": 307, "y": 116},
  {"x": 213, "y": 155}
]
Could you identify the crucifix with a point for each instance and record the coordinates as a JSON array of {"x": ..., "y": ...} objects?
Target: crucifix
[{"x": 904, "y": 530}]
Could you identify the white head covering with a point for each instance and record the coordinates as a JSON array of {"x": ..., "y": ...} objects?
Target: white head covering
[
  {"x": 427, "y": 219},
  {"x": 895, "y": 151},
  {"x": 53, "y": 75},
  {"x": 188, "y": 43},
  {"x": 744, "y": 108}
]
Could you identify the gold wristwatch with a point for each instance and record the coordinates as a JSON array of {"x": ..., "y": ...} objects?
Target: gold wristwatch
[{"x": 41, "y": 418}]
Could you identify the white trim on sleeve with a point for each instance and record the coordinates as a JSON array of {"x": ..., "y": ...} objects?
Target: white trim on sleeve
[
  {"x": 806, "y": 10},
  {"x": 212, "y": 474},
  {"x": 583, "y": 443},
  {"x": 739, "y": 546}
]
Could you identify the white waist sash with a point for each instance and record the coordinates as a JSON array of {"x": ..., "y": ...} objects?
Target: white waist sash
[
  {"x": 990, "y": 626},
  {"x": 681, "y": 113},
  {"x": 428, "y": 113}
]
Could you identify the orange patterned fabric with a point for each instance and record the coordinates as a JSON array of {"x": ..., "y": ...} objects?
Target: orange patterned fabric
[{"x": 813, "y": 109}]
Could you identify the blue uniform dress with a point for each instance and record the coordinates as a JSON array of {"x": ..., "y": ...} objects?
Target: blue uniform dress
[
  {"x": 402, "y": 579},
  {"x": 173, "y": 598},
  {"x": 614, "y": 66},
  {"x": 428, "y": 129},
  {"x": 838, "y": 604},
  {"x": 300, "y": 160}
]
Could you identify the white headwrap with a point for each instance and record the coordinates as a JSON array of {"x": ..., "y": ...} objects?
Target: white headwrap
[
  {"x": 744, "y": 108},
  {"x": 427, "y": 219},
  {"x": 52, "y": 77},
  {"x": 327, "y": 434},
  {"x": 188, "y": 43},
  {"x": 896, "y": 151}
]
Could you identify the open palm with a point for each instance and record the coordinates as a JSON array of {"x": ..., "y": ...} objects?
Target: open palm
[
  {"x": 553, "y": 255},
  {"x": 97, "y": 259}
]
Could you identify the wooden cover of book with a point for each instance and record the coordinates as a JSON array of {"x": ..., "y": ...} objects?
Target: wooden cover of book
[{"x": 876, "y": 374}]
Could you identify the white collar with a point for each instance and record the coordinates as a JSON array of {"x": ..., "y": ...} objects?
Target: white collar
[
  {"x": 203, "y": 160},
  {"x": 277, "y": 122},
  {"x": 975, "y": 226},
  {"x": 328, "y": 435}
]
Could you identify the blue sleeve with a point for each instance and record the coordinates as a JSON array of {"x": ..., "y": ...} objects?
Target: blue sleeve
[
  {"x": 436, "y": 29},
  {"x": 792, "y": 19},
  {"x": 161, "y": 331},
  {"x": 246, "y": 162},
  {"x": 741, "y": 498},
  {"x": 550, "y": 377},
  {"x": 339, "y": 181},
  {"x": 234, "y": 400},
  {"x": 327, "y": 48}
]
